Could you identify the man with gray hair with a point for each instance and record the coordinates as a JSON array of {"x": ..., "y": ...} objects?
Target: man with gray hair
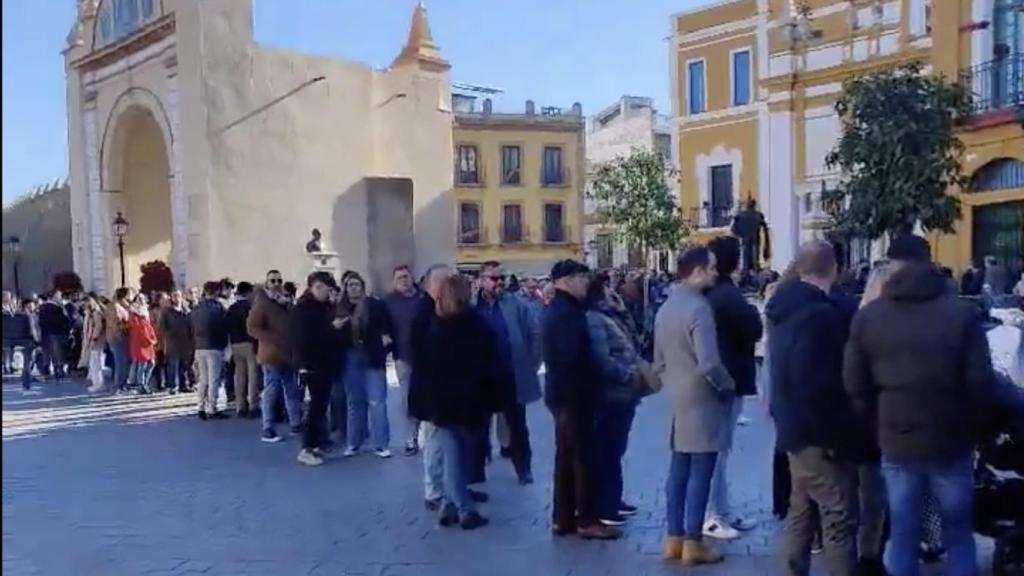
[{"x": 813, "y": 415}]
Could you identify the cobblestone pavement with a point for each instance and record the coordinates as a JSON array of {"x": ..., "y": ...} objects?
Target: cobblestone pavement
[{"x": 105, "y": 485}]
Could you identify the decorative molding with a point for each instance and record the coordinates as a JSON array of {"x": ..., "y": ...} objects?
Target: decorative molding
[
  {"x": 130, "y": 61},
  {"x": 724, "y": 113},
  {"x": 744, "y": 25},
  {"x": 823, "y": 89},
  {"x": 143, "y": 37}
]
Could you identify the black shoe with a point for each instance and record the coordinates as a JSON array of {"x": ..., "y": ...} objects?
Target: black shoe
[
  {"x": 255, "y": 413},
  {"x": 219, "y": 416},
  {"x": 242, "y": 413},
  {"x": 506, "y": 453},
  {"x": 411, "y": 449},
  {"x": 202, "y": 415},
  {"x": 525, "y": 478},
  {"x": 432, "y": 505},
  {"x": 472, "y": 521},
  {"x": 613, "y": 520},
  {"x": 270, "y": 436},
  {"x": 296, "y": 431},
  {"x": 478, "y": 497},
  {"x": 626, "y": 509},
  {"x": 449, "y": 516}
]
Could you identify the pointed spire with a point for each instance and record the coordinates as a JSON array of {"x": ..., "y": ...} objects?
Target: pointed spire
[{"x": 419, "y": 49}]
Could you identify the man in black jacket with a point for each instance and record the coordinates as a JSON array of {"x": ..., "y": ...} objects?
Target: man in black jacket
[
  {"x": 315, "y": 347},
  {"x": 813, "y": 416},
  {"x": 919, "y": 372},
  {"x": 571, "y": 392},
  {"x": 55, "y": 329},
  {"x": 243, "y": 354},
  {"x": 210, "y": 331},
  {"x": 738, "y": 326}
]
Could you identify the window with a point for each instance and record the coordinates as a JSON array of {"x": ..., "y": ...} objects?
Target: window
[
  {"x": 552, "y": 174},
  {"x": 510, "y": 165},
  {"x": 466, "y": 168},
  {"x": 695, "y": 87},
  {"x": 721, "y": 195},
  {"x": 1001, "y": 174},
  {"x": 554, "y": 228},
  {"x": 605, "y": 251},
  {"x": 119, "y": 18},
  {"x": 511, "y": 224},
  {"x": 469, "y": 223},
  {"x": 741, "y": 78}
]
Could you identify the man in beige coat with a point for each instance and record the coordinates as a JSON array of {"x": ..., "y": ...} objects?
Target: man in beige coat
[{"x": 700, "y": 394}]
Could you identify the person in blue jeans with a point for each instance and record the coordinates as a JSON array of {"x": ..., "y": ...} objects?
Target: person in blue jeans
[
  {"x": 368, "y": 329},
  {"x": 269, "y": 323},
  {"x": 700, "y": 395},
  {"x": 918, "y": 368}
]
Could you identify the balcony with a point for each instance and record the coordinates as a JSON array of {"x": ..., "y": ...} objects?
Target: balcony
[
  {"x": 708, "y": 216},
  {"x": 558, "y": 177},
  {"x": 476, "y": 178},
  {"x": 558, "y": 234},
  {"x": 473, "y": 236},
  {"x": 514, "y": 234},
  {"x": 996, "y": 85}
]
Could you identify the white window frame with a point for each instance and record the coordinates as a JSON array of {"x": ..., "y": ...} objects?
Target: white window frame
[
  {"x": 704, "y": 70},
  {"x": 732, "y": 76}
]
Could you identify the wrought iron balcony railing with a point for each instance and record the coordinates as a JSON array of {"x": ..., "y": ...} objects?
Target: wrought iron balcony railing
[{"x": 996, "y": 85}]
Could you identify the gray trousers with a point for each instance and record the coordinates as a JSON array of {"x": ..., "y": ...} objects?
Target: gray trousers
[{"x": 832, "y": 485}]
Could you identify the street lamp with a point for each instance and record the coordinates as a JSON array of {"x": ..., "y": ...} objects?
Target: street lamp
[
  {"x": 13, "y": 247},
  {"x": 121, "y": 230}
]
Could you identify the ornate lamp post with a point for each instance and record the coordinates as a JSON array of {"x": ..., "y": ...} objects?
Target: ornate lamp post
[
  {"x": 12, "y": 246},
  {"x": 121, "y": 230}
]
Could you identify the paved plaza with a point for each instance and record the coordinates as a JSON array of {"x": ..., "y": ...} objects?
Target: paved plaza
[{"x": 126, "y": 485}]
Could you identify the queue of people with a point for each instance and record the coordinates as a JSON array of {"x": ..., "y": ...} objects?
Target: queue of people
[{"x": 876, "y": 411}]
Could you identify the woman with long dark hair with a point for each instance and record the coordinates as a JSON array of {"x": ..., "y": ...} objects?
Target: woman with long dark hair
[{"x": 366, "y": 389}]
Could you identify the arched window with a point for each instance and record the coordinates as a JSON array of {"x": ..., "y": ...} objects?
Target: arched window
[
  {"x": 1001, "y": 174},
  {"x": 119, "y": 18}
]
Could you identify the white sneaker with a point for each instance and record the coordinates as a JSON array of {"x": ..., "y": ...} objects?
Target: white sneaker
[
  {"x": 382, "y": 453},
  {"x": 309, "y": 458},
  {"x": 94, "y": 388},
  {"x": 720, "y": 530},
  {"x": 350, "y": 451},
  {"x": 743, "y": 421}
]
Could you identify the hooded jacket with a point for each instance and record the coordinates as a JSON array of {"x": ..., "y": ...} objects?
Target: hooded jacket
[
  {"x": 808, "y": 402},
  {"x": 918, "y": 368}
]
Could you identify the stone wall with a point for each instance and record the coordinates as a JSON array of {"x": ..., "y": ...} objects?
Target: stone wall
[{"x": 42, "y": 222}]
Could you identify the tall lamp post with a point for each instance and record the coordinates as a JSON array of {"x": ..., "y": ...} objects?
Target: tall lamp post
[
  {"x": 13, "y": 248},
  {"x": 121, "y": 230}
]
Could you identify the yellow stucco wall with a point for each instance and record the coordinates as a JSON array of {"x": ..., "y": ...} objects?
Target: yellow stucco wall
[
  {"x": 491, "y": 195},
  {"x": 697, "y": 147}
]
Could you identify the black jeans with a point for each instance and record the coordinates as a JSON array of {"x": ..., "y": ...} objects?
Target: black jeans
[
  {"x": 612, "y": 436},
  {"x": 519, "y": 437},
  {"x": 575, "y": 494},
  {"x": 319, "y": 384}
]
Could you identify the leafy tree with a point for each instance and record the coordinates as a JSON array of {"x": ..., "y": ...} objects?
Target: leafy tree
[
  {"x": 156, "y": 277},
  {"x": 898, "y": 153},
  {"x": 632, "y": 196}
]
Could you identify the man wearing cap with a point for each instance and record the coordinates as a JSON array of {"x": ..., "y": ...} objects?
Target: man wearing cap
[
  {"x": 571, "y": 392},
  {"x": 917, "y": 367}
]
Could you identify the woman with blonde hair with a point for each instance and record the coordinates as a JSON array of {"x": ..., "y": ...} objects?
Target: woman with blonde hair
[
  {"x": 456, "y": 390},
  {"x": 93, "y": 342}
]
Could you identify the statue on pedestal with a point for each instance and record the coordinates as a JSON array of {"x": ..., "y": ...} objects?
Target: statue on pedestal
[
  {"x": 751, "y": 228},
  {"x": 322, "y": 259}
]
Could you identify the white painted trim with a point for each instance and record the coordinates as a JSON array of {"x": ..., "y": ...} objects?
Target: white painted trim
[
  {"x": 696, "y": 47},
  {"x": 889, "y": 43},
  {"x": 819, "y": 112},
  {"x": 97, "y": 204},
  {"x": 823, "y": 89},
  {"x": 718, "y": 156},
  {"x": 131, "y": 61},
  {"x": 925, "y": 42},
  {"x": 179, "y": 204},
  {"x": 704, "y": 74},
  {"x": 776, "y": 97},
  {"x": 762, "y": 44},
  {"x": 781, "y": 64},
  {"x": 750, "y": 75},
  {"x": 685, "y": 129},
  {"x": 816, "y": 13},
  {"x": 824, "y": 57},
  {"x": 703, "y": 8},
  {"x": 916, "y": 18},
  {"x": 718, "y": 30},
  {"x": 891, "y": 13},
  {"x": 721, "y": 114},
  {"x": 673, "y": 74}
]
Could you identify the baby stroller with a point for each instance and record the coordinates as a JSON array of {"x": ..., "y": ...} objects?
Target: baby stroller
[{"x": 999, "y": 483}]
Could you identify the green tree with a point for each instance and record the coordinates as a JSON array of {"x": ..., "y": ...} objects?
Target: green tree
[
  {"x": 631, "y": 195},
  {"x": 898, "y": 153}
]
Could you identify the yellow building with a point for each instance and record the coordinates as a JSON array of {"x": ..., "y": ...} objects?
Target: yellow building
[
  {"x": 755, "y": 81},
  {"x": 518, "y": 181}
]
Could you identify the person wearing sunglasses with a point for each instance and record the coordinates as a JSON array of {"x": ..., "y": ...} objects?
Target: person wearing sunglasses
[
  {"x": 268, "y": 323},
  {"x": 519, "y": 348}
]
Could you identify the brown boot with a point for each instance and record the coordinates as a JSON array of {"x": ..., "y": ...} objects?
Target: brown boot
[
  {"x": 696, "y": 553},
  {"x": 673, "y": 548},
  {"x": 598, "y": 532}
]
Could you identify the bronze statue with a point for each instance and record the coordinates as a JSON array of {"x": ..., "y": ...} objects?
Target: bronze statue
[
  {"x": 750, "y": 227},
  {"x": 316, "y": 243}
]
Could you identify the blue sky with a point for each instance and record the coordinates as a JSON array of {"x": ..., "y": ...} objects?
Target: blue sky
[{"x": 553, "y": 51}]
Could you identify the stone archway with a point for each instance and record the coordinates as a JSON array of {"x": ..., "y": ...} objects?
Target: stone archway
[{"x": 137, "y": 169}]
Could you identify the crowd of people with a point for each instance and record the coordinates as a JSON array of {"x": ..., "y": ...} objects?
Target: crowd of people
[{"x": 876, "y": 411}]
